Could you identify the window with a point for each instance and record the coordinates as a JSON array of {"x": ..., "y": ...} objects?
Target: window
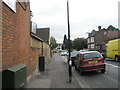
[
  {"x": 88, "y": 40},
  {"x": 92, "y": 45},
  {"x": 91, "y": 55},
  {"x": 89, "y": 46},
  {"x": 105, "y": 33},
  {"x": 92, "y": 39},
  {"x": 33, "y": 27}
]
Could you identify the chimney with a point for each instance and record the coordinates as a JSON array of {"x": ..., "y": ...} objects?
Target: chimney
[{"x": 99, "y": 28}]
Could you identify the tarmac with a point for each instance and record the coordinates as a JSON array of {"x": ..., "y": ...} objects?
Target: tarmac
[{"x": 55, "y": 75}]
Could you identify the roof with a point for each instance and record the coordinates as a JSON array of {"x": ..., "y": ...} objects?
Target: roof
[
  {"x": 44, "y": 34},
  {"x": 35, "y": 36},
  {"x": 88, "y": 52},
  {"x": 112, "y": 35}
]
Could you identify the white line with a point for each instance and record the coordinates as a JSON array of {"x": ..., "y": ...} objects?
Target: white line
[
  {"x": 112, "y": 65},
  {"x": 81, "y": 81},
  {"x": 82, "y": 86},
  {"x": 64, "y": 59}
]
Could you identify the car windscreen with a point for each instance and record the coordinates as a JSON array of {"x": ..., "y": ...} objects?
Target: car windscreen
[{"x": 91, "y": 55}]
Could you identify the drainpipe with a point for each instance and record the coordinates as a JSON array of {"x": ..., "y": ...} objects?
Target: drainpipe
[{"x": 42, "y": 48}]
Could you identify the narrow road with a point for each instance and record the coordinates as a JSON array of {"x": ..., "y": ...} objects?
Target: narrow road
[
  {"x": 95, "y": 79},
  {"x": 56, "y": 76}
]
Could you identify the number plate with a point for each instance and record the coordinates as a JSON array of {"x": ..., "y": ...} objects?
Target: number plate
[{"x": 92, "y": 61}]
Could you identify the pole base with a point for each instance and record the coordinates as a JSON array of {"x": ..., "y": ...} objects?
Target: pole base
[{"x": 70, "y": 79}]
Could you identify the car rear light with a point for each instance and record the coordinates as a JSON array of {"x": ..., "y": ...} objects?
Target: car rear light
[{"x": 101, "y": 60}]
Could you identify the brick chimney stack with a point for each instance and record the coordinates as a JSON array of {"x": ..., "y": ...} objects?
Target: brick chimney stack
[{"x": 99, "y": 28}]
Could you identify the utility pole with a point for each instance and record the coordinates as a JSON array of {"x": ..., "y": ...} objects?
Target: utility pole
[{"x": 69, "y": 57}]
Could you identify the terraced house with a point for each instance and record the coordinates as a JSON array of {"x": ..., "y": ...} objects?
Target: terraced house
[{"x": 97, "y": 40}]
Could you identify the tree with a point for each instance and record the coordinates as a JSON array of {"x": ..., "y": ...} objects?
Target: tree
[
  {"x": 53, "y": 43},
  {"x": 65, "y": 42},
  {"x": 79, "y": 43},
  {"x": 112, "y": 28}
]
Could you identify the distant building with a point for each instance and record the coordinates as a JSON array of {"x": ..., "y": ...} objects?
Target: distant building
[
  {"x": 97, "y": 39},
  {"x": 59, "y": 46},
  {"x": 44, "y": 34},
  {"x": 91, "y": 40}
]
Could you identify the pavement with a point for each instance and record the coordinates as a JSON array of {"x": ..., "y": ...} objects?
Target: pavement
[{"x": 55, "y": 75}]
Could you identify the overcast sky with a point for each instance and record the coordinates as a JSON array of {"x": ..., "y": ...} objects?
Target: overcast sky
[{"x": 85, "y": 16}]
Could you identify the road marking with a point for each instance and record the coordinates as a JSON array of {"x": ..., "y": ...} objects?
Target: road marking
[
  {"x": 112, "y": 65},
  {"x": 81, "y": 81},
  {"x": 82, "y": 86},
  {"x": 64, "y": 59}
]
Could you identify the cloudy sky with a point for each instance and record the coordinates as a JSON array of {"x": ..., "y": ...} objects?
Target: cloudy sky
[{"x": 85, "y": 16}]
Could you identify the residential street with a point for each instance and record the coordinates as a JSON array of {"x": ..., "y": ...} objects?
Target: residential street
[
  {"x": 98, "y": 80},
  {"x": 56, "y": 76},
  {"x": 59, "y": 44}
]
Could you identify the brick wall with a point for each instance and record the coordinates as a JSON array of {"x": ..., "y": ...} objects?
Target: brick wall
[
  {"x": 16, "y": 36},
  {"x": 23, "y": 27},
  {"x": 9, "y": 37}
]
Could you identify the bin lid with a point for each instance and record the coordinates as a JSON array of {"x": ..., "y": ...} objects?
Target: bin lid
[{"x": 16, "y": 68}]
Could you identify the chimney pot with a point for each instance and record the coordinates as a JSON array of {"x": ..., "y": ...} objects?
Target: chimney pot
[{"x": 99, "y": 28}]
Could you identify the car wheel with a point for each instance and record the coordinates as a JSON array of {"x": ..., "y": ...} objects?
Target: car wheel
[{"x": 103, "y": 70}]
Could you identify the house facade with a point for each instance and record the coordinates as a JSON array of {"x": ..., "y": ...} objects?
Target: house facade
[
  {"x": 97, "y": 40},
  {"x": 91, "y": 40}
]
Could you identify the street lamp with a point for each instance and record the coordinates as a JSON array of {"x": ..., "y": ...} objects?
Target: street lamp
[{"x": 69, "y": 57}]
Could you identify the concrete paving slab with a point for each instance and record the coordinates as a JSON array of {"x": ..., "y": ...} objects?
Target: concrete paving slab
[
  {"x": 40, "y": 83},
  {"x": 55, "y": 76}
]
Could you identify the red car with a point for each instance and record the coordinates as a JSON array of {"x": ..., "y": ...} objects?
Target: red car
[{"x": 90, "y": 61}]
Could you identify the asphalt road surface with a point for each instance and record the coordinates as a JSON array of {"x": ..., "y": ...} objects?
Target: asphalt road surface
[{"x": 96, "y": 79}]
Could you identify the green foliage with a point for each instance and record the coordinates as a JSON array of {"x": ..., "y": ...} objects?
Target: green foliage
[
  {"x": 65, "y": 43},
  {"x": 79, "y": 43},
  {"x": 112, "y": 28},
  {"x": 53, "y": 43}
]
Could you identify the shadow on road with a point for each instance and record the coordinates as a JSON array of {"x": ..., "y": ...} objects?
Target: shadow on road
[{"x": 90, "y": 73}]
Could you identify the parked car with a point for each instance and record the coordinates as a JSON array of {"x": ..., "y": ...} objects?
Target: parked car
[
  {"x": 64, "y": 53},
  {"x": 90, "y": 61},
  {"x": 73, "y": 56},
  {"x": 85, "y": 50}
]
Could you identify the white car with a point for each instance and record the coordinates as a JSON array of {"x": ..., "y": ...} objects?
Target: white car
[{"x": 64, "y": 53}]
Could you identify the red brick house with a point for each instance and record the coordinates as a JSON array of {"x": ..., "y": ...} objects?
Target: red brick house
[{"x": 97, "y": 39}]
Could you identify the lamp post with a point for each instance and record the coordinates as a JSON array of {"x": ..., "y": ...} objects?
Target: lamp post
[{"x": 69, "y": 57}]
